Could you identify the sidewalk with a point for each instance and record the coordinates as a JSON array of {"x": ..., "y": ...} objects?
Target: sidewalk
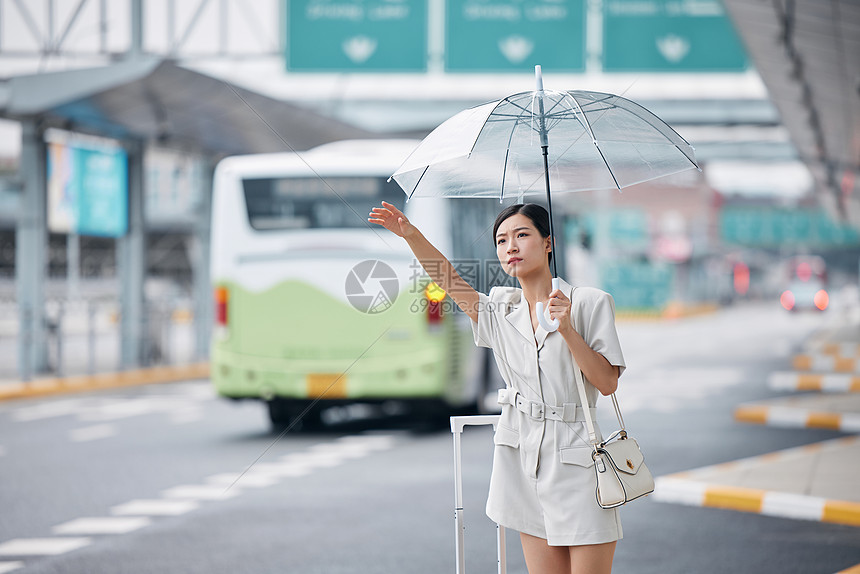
[
  {"x": 816, "y": 482},
  {"x": 813, "y": 482}
]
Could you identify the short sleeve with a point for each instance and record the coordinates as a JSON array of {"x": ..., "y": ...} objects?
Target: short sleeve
[
  {"x": 483, "y": 329},
  {"x": 601, "y": 334}
]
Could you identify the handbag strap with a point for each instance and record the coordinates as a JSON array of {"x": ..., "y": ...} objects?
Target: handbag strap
[{"x": 580, "y": 385}]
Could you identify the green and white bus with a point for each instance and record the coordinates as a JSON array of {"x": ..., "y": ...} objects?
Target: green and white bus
[{"x": 316, "y": 307}]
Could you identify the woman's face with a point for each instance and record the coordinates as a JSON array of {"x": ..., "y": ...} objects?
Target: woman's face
[{"x": 519, "y": 246}]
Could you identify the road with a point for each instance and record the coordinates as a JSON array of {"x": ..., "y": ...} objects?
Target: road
[{"x": 160, "y": 468}]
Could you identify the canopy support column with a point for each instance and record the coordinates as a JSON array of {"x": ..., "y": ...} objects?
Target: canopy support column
[
  {"x": 131, "y": 266},
  {"x": 31, "y": 253},
  {"x": 200, "y": 260}
]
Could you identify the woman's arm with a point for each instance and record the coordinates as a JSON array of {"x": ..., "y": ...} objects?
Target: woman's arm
[
  {"x": 436, "y": 265},
  {"x": 596, "y": 368}
]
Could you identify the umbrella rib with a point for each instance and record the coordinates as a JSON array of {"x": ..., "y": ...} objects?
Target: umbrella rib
[
  {"x": 474, "y": 143},
  {"x": 504, "y": 172},
  {"x": 417, "y": 182},
  {"x": 646, "y": 119},
  {"x": 505, "y": 168},
  {"x": 585, "y": 120},
  {"x": 594, "y": 141}
]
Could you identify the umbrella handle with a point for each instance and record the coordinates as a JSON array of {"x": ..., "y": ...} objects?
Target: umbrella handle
[{"x": 548, "y": 325}]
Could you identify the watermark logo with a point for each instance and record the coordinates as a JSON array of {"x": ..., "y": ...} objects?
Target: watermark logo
[{"x": 371, "y": 286}]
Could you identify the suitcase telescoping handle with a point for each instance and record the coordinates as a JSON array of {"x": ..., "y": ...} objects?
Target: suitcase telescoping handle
[{"x": 457, "y": 426}]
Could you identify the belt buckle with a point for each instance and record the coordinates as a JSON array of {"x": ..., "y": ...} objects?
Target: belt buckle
[{"x": 537, "y": 410}]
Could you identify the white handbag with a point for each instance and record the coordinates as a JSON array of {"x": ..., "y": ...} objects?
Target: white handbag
[{"x": 618, "y": 463}]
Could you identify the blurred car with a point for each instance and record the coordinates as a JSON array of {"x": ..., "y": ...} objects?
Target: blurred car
[{"x": 807, "y": 286}]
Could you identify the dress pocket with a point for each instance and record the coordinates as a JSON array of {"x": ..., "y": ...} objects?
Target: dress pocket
[
  {"x": 506, "y": 436},
  {"x": 578, "y": 455}
]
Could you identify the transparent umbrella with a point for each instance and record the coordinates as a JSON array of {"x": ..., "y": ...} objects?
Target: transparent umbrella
[{"x": 530, "y": 142}]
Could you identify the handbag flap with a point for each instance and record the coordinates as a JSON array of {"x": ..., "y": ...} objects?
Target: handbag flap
[{"x": 625, "y": 455}]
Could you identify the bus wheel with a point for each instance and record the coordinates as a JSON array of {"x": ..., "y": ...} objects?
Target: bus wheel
[{"x": 287, "y": 413}]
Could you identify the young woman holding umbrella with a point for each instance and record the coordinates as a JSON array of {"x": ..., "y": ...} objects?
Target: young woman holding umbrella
[{"x": 542, "y": 483}]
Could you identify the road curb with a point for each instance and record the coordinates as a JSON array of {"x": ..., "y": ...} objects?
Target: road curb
[
  {"x": 793, "y": 417},
  {"x": 84, "y": 383},
  {"x": 826, "y": 363},
  {"x": 839, "y": 349},
  {"x": 685, "y": 488},
  {"x": 828, "y": 383},
  {"x": 671, "y": 311}
]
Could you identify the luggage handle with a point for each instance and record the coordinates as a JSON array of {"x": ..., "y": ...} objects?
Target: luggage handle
[{"x": 457, "y": 426}]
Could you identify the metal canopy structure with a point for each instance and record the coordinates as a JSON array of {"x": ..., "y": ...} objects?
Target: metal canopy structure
[
  {"x": 139, "y": 101},
  {"x": 808, "y": 55},
  {"x": 155, "y": 100}
]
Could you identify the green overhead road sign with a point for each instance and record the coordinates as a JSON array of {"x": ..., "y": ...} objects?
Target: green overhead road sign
[
  {"x": 356, "y": 35},
  {"x": 514, "y": 35},
  {"x": 669, "y": 35}
]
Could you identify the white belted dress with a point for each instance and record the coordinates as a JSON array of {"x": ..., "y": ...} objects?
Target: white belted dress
[{"x": 542, "y": 482}]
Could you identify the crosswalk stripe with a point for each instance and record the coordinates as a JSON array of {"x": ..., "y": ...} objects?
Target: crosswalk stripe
[
  {"x": 41, "y": 546},
  {"x": 154, "y": 508},
  {"x": 102, "y": 525}
]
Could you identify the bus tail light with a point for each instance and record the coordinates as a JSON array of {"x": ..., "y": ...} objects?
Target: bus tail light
[
  {"x": 434, "y": 295},
  {"x": 222, "y": 298}
]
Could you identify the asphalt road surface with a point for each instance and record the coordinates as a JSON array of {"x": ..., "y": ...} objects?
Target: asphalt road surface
[{"x": 150, "y": 479}]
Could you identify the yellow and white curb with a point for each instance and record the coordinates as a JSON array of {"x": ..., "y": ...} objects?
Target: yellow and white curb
[
  {"x": 82, "y": 383},
  {"x": 840, "y": 349},
  {"x": 826, "y": 363},
  {"x": 828, "y": 383},
  {"x": 797, "y": 417},
  {"x": 697, "y": 488}
]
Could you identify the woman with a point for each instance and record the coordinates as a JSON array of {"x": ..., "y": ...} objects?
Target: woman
[{"x": 542, "y": 483}]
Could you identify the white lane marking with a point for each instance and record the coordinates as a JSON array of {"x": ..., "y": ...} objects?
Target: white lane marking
[
  {"x": 95, "y": 432},
  {"x": 672, "y": 390},
  {"x": 105, "y": 409},
  {"x": 251, "y": 479},
  {"x": 41, "y": 546},
  {"x": 374, "y": 442},
  {"x": 314, "y": 459},
  {"x": 9, "y": 566},
  {"x": 200, "y": 492},
  {"x": 154, "y": 508},
  {"x": 47, "y": 410},
  {"x": 102, "y": 525},
  {"x": 281, "y": 470}
]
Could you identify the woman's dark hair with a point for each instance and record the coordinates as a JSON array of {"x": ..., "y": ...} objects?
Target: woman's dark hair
[{"x": 535, "y": 212}]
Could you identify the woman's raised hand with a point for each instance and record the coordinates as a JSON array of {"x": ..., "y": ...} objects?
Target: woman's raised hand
[{"x": 391, "y": 219}]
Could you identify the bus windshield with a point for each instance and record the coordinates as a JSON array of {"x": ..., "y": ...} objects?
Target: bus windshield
[{"x": 313, "y": 202}]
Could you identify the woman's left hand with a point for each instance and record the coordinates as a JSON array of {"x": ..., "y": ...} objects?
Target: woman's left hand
[{"x": 559, "y": 308}]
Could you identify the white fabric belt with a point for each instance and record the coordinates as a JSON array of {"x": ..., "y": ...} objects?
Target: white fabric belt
[{"x": 568, "y": 412}]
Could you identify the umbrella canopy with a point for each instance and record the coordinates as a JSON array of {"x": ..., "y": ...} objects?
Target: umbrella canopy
[
  {"x": 502, "y": 148},
  {"x": 595, "y": 141}
]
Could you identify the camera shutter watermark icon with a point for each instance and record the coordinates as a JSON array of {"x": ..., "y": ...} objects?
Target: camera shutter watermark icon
[{"x": 371, "y": 286}]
